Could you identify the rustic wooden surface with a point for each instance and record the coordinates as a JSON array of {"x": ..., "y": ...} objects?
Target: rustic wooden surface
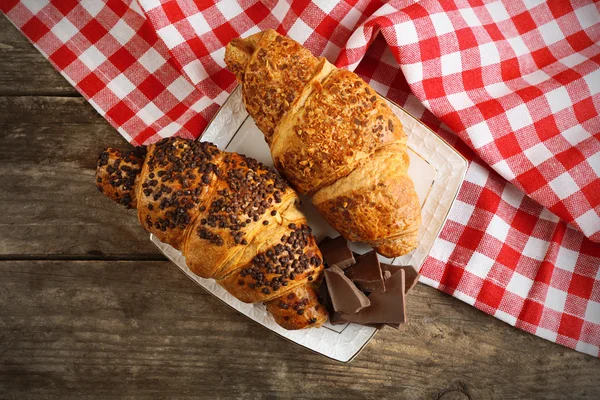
[{"x": 90, "y": 310}]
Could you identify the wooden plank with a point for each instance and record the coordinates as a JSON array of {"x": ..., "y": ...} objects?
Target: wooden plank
[
  {"x": 96, "y": 330},
  {"x": 48, "y": 199},
  {"x": 24, "y": 70}
]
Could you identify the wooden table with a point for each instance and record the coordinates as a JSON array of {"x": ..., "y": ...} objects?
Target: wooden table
[{"x": 90, "y": 309}]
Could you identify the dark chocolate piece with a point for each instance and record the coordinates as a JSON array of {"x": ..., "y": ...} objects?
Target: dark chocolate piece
[
  {"x": 398, "y": 327},
  {"x": 336, "y": 251},
  {"x": 345, "y": 296},
  {"x": 388, "y": 307},
  {"x": 366, "y": 273},
  {"x": 335, "y": 318},
  {"x": 324, "y": 296},
  {"x": 411, "y": 275}
]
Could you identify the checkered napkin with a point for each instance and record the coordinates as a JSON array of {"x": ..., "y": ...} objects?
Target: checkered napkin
[{"x": 514, "y": 86}]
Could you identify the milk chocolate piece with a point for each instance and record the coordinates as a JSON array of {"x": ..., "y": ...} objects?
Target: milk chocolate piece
[
  {"x": 336, "y": 318},
  {"x": 388, "y": 307},
  {"x": 336, "y": 251},
  {"x": 324, "y": 296},
  {"x": 411, "y": 275},
  {"x": 366, "y": 273},
  {"x": 345, "y": 296}
]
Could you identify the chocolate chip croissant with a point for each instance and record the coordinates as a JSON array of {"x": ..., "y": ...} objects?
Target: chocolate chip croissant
[
  {"x": 333, "y": 137},
  {"x": 234, "y": 220}
]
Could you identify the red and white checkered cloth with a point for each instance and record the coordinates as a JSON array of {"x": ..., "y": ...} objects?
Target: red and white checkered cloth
[{"x": 514, "y": 86}]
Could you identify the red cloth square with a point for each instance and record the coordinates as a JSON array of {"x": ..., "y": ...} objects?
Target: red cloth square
[
  {"x": 470, "y": 238},
  {"x": 466, "y": 39},
  {"x": 35, "y": 29},
  {"x": 532, "y": 180},
  {"x": 585, "y": 110},
  {"x": 257, "y": 12},
  {"x": 151, "y": 87},
  {"x": 430, "y": 49},
  {"x": 63, "y": 57},
  {"x": 173, "y": 11},
  {"x": 490, "y": 108},
  {"x": 570, "y": 158},
  {"x": 531, "y": 312},
  {"x": 120, "y": 113},
  {"x": 581, "y": 286},
  {"x": 559, "y": 8},
  {"x": 225, "y": 33},
  {"x": 508, "y": 144},
  {"x": 65, "y": 6},
  {"x": 524, "y": 22},
  {"x": 93, "y": 31},
  {"x": 546, "y": 127},
  {"x": 91, "y": 85},
  {"x": 122, "y": 59},
  {"x": 435, "y": 86},
  {"x": 451, "y": 278},
  {"x": 491, "y": 294},
  {"x": 570, "y": 326}
]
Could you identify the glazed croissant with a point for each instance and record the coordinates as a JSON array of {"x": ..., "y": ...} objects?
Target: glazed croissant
[
  {"x": 233, "y": 219},
  {"x": 333, "y": 137}
]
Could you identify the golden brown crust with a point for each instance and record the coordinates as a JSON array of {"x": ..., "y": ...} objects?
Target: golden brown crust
[
  {"x": 375, "y": 202},
  {"x": 335, "y": 141},
  {"x": 294, "y": 261},
  {"x": 397, "y": 246},
  {"x": 174, "y": 185},
  {"x": 238, "y": 54},
  {"x": 342, "y": 122},
  {"x": 273, "y": 77},
  {"x": 226, "y": 212},
  {"x": 299, "y": 307},
  {"x": 117, "y": 175},
  {"x": 244, "y": 196}
]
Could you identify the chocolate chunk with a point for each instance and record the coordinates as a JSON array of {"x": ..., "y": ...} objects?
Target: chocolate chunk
[
  {"x": 336, "y": 251},
  {"x": 411, "y": 275},
  {"x": 324, "y": 296},
  {"x": 345, "y": 296},
  {"x": 336, "y": 318},
  {"x": 388, "y": 307},
  {"x": 366, "y": 273}
]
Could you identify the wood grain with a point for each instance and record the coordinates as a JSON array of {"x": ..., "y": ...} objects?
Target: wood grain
[
  {"x": 97, "y": 329},
  {"x": 24, "y": 70},
  {"x": 93, "y": 329},
  {"x": 48, "y": 199}
]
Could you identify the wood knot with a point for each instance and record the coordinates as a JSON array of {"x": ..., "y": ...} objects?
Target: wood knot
[{"x": 457, "y": 390}]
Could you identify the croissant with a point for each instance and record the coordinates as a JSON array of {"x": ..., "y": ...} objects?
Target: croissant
[
  {"x": 333, "y": 137},
  {"x": 233, "y": 219}
]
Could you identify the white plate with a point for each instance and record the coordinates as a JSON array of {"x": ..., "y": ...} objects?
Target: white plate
[{"x": 437, "y": 171}]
